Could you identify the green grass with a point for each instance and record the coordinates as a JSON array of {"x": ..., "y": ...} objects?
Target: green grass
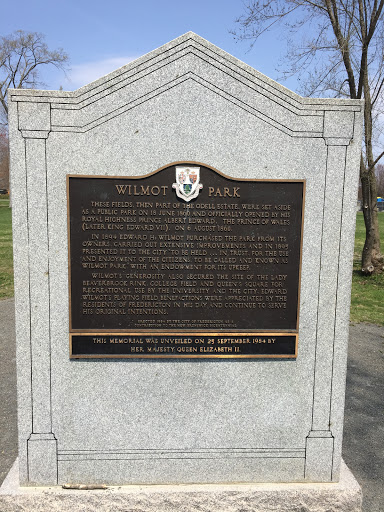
[
  {"x": 6, "y": 254},
  {"x": 367, "y": 304},
  {"x": 367, "y": 301}
]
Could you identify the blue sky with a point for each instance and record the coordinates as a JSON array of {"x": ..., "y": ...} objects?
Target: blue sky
[{"x": 100, "y": 36}]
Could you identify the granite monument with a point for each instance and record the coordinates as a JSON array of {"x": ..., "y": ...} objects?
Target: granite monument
[{"x": 183, "y": 237}]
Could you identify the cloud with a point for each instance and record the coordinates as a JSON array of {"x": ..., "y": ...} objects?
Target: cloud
[{"x": 83, "y": 74}]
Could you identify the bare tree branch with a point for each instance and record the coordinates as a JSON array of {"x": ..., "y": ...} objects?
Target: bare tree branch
[
  {"x": 340, "y": 53},
  {"x": 377, "y": 92},
  {"x": 22, "y": 55},
  {"x": 373, "y": 164}
]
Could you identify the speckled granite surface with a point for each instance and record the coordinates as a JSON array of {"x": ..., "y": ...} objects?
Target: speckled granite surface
[
  {"x": 181, "y": 421},
  {"x": 344, "y": 496}
]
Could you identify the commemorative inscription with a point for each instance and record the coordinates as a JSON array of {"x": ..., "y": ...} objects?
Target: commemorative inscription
[{"x": 185, "y": 262}]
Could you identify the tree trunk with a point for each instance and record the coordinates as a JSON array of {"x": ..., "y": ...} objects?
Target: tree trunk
[{"x": 372, "y": 259}]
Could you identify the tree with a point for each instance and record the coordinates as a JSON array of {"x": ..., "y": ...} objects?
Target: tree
[
  {"x": 22, "y": 55},
  {"x": 340, "y": 53}
]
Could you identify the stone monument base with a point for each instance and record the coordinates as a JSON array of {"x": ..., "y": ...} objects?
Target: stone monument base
[{"x": 306, "y": 497}]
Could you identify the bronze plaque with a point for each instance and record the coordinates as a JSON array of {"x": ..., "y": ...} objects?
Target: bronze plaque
[{"x": 184, "y": 262}]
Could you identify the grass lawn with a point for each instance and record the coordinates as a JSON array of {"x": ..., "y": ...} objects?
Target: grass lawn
[
  {"x": 367, "y": 304},
  {"x": 367, "y": 301},
  {"x": 6, "y": 262}
]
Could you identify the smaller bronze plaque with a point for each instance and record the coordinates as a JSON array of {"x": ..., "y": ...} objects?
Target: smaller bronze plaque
[{"x": 184, "y": 345}]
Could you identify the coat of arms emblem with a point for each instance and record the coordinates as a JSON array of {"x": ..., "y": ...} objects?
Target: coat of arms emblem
[{"x": 187, "y": 184}]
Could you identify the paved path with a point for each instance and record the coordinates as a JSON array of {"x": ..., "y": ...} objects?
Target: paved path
[
  {"x": 364, "y": 427},
  {"x": 363, "y": 446}
]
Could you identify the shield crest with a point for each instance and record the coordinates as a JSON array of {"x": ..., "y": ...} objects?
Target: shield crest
[{"x": 187, "y": 184}]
